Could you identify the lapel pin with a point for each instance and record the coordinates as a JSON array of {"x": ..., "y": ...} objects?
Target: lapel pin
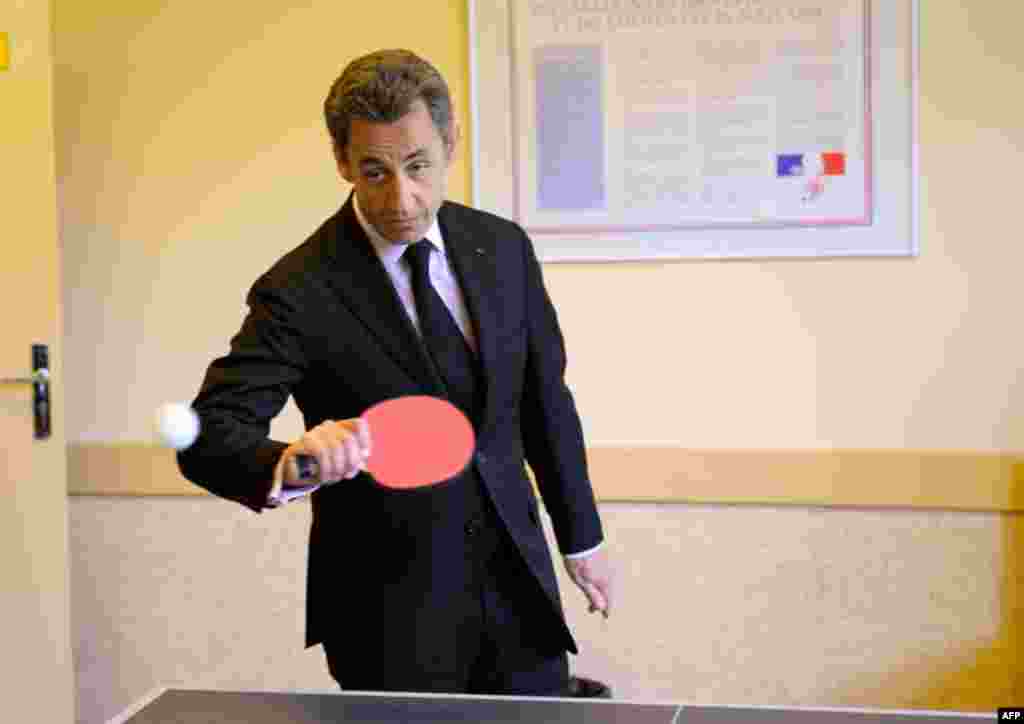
[{"x": 479, "y": 251}]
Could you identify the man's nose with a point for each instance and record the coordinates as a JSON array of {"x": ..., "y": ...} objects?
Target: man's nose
[{"x": 400, "y": 195}]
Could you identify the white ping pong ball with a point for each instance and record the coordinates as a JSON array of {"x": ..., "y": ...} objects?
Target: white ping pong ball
[{"x": 177, "y": 425}]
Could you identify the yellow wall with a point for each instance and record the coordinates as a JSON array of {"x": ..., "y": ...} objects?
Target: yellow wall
[
  {"x": 838, "y": 353},
  {"x": 191, "y": 155},
  {"x": 190, "y": 160}
]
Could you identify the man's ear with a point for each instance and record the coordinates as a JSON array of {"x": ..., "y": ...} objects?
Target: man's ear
[
  {"x": 454, "y": 136},
  {"x": 341, "y": 159}
]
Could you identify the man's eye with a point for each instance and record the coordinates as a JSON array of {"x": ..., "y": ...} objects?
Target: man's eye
[
  {"x": 373, "y": 175},
  {"x": 419, "y": 167}
]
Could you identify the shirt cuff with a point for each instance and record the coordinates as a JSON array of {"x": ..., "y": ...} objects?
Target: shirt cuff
[
  {"x": 277, "y": 498},
  {"x": 583, "y": 554}
]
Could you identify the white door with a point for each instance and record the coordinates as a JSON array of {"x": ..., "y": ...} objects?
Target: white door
[{"x": 36, "y": 672}]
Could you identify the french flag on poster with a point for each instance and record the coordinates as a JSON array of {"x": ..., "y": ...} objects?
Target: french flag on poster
[{"x": 831, "y": 163}]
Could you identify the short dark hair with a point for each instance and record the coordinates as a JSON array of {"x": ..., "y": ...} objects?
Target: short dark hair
[{"x": 381, "y": 87}]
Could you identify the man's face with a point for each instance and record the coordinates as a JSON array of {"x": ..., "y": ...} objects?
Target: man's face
[{"x": 400, "y": 172}]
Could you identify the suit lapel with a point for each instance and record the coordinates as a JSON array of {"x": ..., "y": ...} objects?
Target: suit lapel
[
  {"x": 473, "y": 258},
  {"x": 362, "y": 283}
]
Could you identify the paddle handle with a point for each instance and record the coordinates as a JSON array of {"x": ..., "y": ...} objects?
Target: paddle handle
[{"x": 301, "y": 467}]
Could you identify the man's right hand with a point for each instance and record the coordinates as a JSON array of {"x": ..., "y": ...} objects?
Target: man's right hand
[{"x": 340, "y": 448}]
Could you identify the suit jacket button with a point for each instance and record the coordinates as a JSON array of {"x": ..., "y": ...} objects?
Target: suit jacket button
[{"x": 471, "y": 528}]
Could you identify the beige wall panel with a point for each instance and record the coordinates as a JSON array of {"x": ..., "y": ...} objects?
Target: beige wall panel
[{"x": 715, "y": 604}]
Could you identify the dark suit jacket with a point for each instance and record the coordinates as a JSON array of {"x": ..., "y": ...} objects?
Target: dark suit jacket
[{"x": 326, "y": 326}]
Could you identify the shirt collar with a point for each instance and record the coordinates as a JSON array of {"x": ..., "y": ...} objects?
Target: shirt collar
[{"x": 389, "y": 252}]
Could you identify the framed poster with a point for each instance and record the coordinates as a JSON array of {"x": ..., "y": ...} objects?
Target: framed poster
[{"x": 639, "y": 129}]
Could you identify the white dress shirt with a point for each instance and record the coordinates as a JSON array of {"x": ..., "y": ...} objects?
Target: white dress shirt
[{"x": 442, "y": 276}]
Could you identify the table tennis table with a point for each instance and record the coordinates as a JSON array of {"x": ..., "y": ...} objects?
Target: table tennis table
[{"x": 195, "y": 706}]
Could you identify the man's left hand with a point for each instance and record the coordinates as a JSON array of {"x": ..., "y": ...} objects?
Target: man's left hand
[{"x": 593, "y": 574}]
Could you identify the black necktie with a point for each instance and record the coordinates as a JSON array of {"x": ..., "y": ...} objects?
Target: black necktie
[{"x": 445, "y": 343}]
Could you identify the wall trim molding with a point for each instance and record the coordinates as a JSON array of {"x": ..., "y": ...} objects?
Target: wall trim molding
[{"x": 937, "y": 479}]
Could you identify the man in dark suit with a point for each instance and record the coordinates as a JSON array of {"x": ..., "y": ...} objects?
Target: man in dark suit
[{"x": 450, "y": 588}]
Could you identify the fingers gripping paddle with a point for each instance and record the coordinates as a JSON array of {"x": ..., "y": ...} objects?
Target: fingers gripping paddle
[{"x": 417, "y": 441}]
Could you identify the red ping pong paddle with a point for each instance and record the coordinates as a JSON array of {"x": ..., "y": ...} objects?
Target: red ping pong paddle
[{"x": 418, "y": 441}]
